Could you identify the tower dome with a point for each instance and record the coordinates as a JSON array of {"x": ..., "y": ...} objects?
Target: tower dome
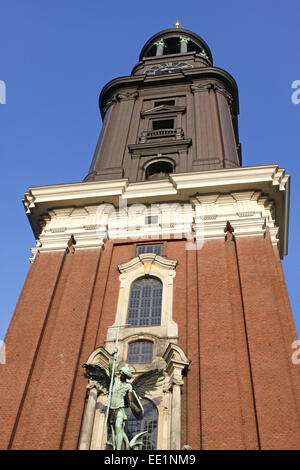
[{"x": 173, "y": 50}]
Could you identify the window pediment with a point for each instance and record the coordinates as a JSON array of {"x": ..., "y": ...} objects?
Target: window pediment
[
  {"x": 146, "y": 262},
  {"x": 163, "y": 109}
]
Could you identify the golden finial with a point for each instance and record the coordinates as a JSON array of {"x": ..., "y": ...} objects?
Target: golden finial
[{"x": 177, "y": 24}]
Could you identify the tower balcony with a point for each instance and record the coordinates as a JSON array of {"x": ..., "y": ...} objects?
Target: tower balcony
[{"x": 176, "y": 133}]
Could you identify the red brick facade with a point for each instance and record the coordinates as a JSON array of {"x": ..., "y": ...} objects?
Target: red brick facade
[{"x": 242, "y": 390}]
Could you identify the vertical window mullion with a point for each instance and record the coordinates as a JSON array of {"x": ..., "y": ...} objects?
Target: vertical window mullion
[
  {"x": 151, "y": 306},
  {"x": 140, "y": 306}
]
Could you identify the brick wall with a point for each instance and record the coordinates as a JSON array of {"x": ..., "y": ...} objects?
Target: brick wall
[{"x": 242, "y": 390}]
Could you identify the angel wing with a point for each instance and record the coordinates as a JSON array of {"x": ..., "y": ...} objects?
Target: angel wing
[
  {"x": 97, "y": 373},
  {"x": 143, "y": 384}
]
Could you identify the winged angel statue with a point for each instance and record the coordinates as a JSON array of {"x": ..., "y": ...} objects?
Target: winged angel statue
[{"x": 123, "y": 394}]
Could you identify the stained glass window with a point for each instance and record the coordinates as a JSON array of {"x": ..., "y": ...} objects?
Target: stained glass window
[
  {"x": 140, "y": 351},
  {"x": 145, "y": 302},
  {"x": 148, "y": 423}
]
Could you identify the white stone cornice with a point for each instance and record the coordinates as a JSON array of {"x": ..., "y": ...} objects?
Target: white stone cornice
[
  {"x": 202, "y": 218},
  {"x": 71, "y": 191},
  {"x": 252, "y": 198},
  {"x": 232, "y": 177},
  {"x": 203, "y": 181}
]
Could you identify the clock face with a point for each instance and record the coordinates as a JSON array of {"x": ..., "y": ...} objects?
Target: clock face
[{"x": 168, "y": 67}]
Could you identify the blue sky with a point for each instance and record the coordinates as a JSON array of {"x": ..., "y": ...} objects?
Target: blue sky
[{"x": 57, "y": 55}]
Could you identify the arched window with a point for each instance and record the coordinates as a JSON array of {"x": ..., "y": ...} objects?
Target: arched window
[
  {"x": 148, "y": 423},
  {"x": 145, "y": 302},
  {"x": 140, "y": 352},
  {"x": 158, "y": 170},
  {"x": 172, "y": 46}
]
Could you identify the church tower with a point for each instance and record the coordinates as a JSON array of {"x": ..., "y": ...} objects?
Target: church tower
[{"x": 172, "y": 248}]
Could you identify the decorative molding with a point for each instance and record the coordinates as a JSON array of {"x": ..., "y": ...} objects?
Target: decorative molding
[
  {"x": 184, "y": 39},
  {"x": 228, "y": 230},
  {"x": 163, "y": 109},
  {"x": 148, "y": 148},
  {"x": 109, "y": 103},
  {"x": 57, "y": 212},
  {"x": 99, "y": 356},
  {"x": 147, "y": 259},
  {"x": 127, "y": 95},
  {"x": 213, "y": 86},
  {"x": 201, "y": 217},
  {"x": 160, "y": 42},
  {"x": 203, "y": 54},
  {"x": 28, "y": 202},
  {"x": 245, "y": 214},
  {"x": 176, "y": 360},
  {"x": 122, "y": 96},
  {"x": 257, "y": 210}
]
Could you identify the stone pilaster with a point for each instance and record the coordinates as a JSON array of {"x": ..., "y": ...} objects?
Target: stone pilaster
[
  {"x": 87, "y": 428},
  {"x": 177, "y": 363}
]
